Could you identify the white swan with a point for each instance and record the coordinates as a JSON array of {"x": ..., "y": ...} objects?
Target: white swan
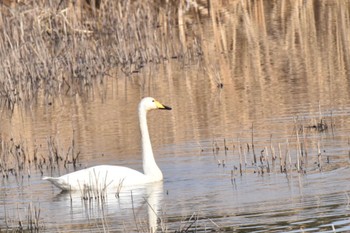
[{"x": 113, "y": 177}]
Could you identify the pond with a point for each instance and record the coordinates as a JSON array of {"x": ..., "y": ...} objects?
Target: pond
[{"x": 257, "y": 139}]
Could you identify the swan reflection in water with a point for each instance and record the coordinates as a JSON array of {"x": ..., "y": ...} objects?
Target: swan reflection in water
[{"x": 134, "y": 208}]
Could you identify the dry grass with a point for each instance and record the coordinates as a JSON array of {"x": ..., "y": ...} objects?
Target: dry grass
[
  {"x": 62, "y": 47},
  {"x": 303, "y": 152},
  {"x": 59, "y": 47},
  {"x": 26, "y": 219},
  {"x": 18, "y": 161}
]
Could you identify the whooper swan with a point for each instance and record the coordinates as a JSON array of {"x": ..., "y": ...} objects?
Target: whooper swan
[{"x": 112, "y": 177}]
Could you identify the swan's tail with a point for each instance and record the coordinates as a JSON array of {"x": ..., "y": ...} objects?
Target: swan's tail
[{"x": 58, "y": 182}]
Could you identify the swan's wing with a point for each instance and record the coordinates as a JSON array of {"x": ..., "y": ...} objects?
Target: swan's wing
[
  {"x": 114, "y": 176},
  {"x": 98, "y": 177}
]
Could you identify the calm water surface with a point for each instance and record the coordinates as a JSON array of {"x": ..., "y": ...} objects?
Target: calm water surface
[
  {"x": 198, "y": 192},
  {"x": 203, "y": 189}
]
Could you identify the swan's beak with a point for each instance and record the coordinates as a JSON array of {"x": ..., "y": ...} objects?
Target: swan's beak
[{"x": 161, "y": 106}]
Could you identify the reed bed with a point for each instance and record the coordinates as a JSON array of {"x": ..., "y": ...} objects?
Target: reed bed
[
  {"x": 16, "y": 159},
  {"x": 301, "y": 153},
  {"x": 61, "y": 47}
]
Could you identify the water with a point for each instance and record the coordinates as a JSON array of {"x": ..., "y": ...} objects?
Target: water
[
  {"x": 197, "y": 193},
  {"x": 269, "y": 102}
]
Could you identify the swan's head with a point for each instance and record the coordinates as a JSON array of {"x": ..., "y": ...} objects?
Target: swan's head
[{"x": 149, "y": 103}]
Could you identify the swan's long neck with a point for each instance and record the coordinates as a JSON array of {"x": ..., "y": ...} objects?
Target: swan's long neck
[{"x": 150, "y": 167}]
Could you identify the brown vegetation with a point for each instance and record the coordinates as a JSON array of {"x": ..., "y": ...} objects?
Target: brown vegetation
[{"x": 61, "y": 47}]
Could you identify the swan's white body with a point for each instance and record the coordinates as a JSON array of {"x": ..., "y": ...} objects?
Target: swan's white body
[{"x": 114, "y": 177}]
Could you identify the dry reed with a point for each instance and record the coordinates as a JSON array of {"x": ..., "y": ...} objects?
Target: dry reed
[
  {"x": 27, "y": 219},
  {"x": 60, "y": 49}
]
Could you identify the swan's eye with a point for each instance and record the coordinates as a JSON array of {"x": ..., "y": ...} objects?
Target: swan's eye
[{"x": 152, "y": 100}]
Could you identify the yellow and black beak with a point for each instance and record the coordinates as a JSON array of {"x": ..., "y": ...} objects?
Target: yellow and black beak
[{"x": 161, "y": 106}]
